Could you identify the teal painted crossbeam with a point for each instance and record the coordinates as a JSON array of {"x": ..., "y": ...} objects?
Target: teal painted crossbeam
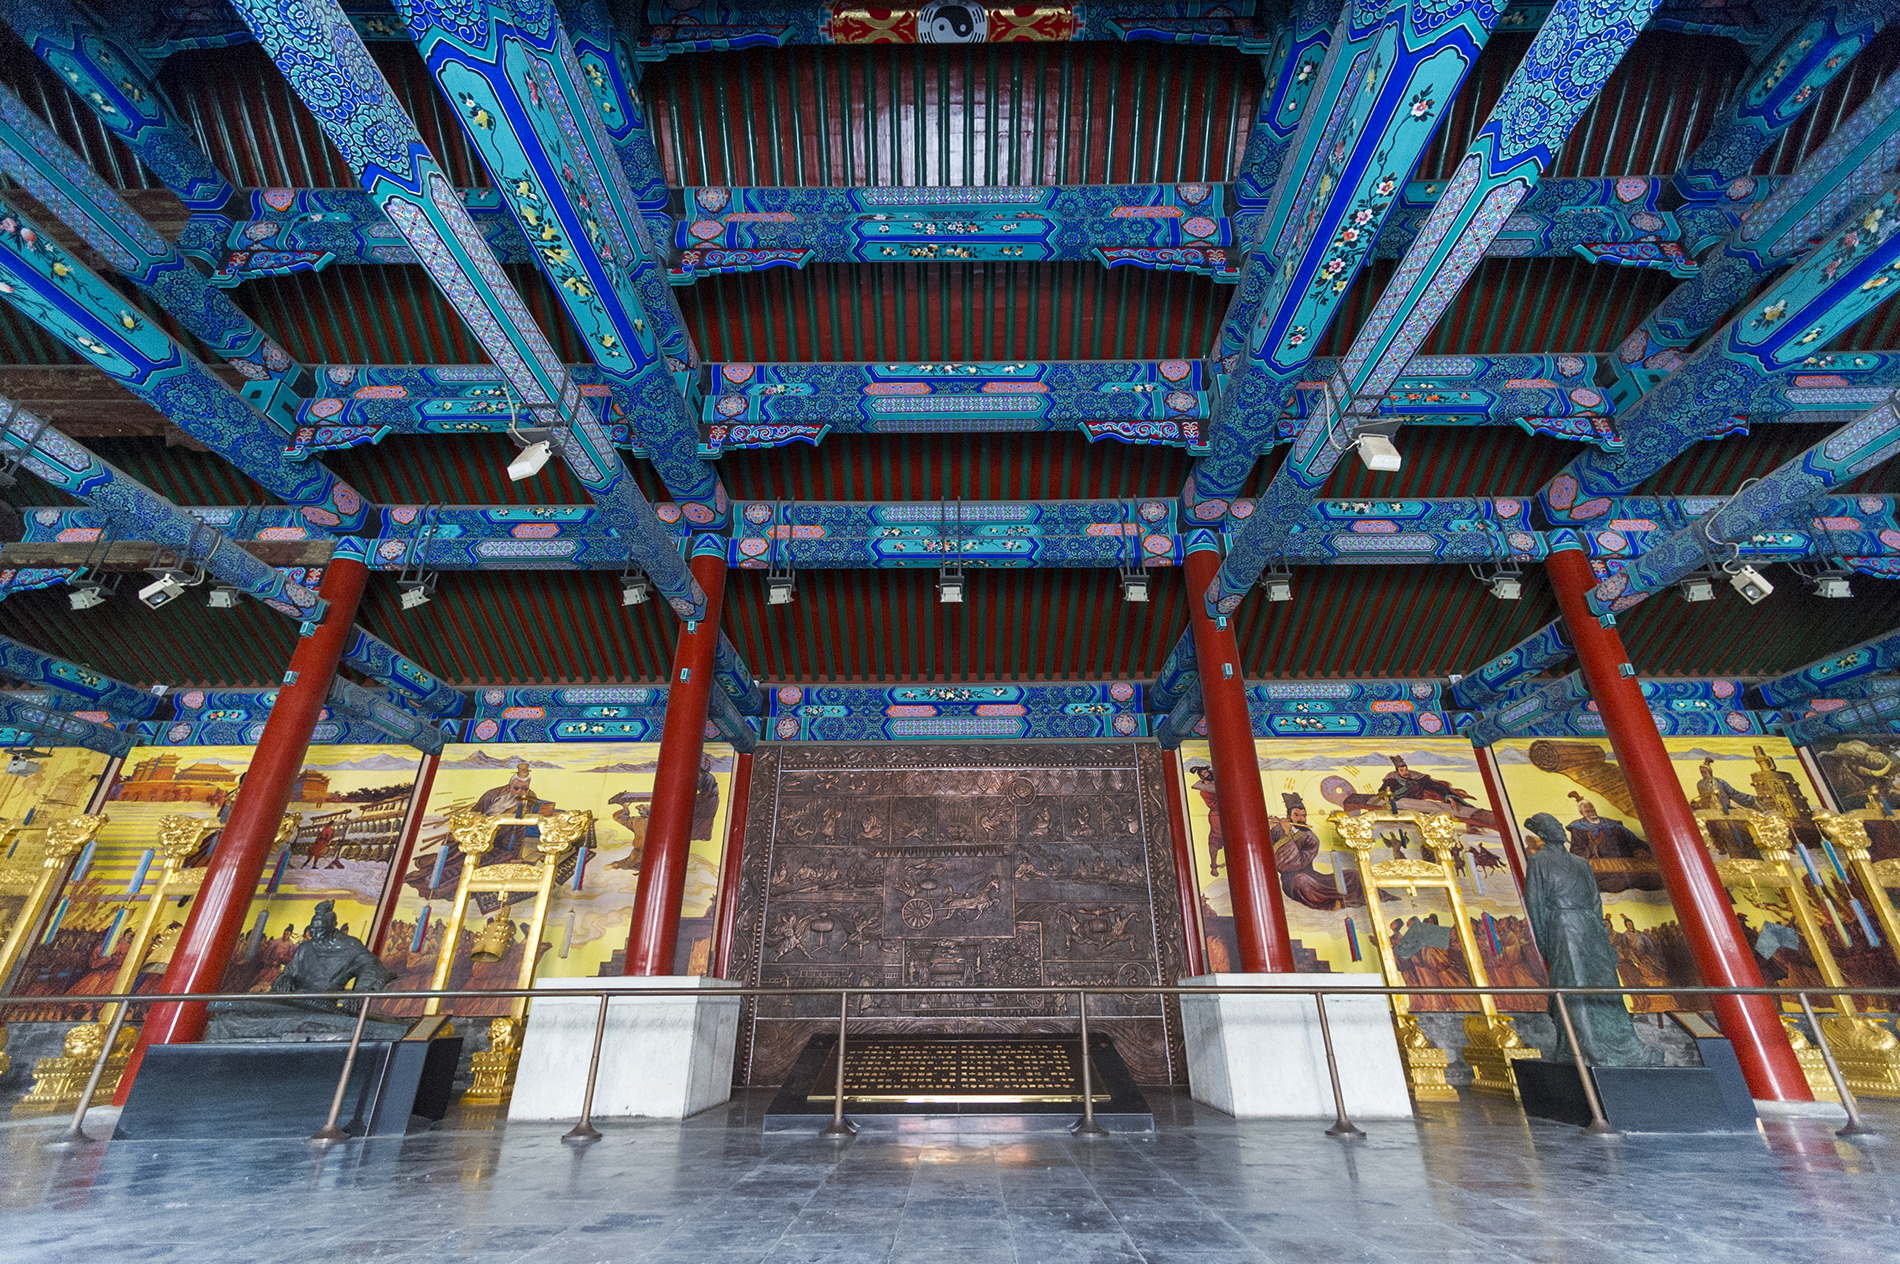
[
  {"x": 1824, "y": 677},
  {"x": 354, "y": 702},
  {"x": 74, "y": 687}
]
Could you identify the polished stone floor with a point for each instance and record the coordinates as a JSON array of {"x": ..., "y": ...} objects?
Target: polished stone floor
[{"x": 1474, "y": 1181}]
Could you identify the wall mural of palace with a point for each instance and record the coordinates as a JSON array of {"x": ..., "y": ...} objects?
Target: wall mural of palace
[{"x": 944, "y": 865}]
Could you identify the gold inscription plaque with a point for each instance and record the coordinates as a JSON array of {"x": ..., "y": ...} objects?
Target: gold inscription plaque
[{"x": 944, "y": 1071}]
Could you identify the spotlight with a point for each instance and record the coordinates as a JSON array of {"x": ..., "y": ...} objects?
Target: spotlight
[
  {"x": 416, "y": 592},
  {"x": 530, "y": 461},
  {"x": 19, "y": 766},
  {"x": 1749, "y": 582},
  {"x": 1279, "y": 587},
  {"x": 87, "y": 596},
  {"x": 635, "y": 590},
  {"x": 781, "y": 585},
  {"x": 1697, "y": 588},
  {"x": 1506, "y": 587},
  {"x": 1832, "y": 586},
  {"x": 1378, "y": 453},
  {"x": 223, "y": 597},
  {"x": 950, "y": 586},
  {"x": 167, "y": 588},
  {"x": 1134, "y": 584}
]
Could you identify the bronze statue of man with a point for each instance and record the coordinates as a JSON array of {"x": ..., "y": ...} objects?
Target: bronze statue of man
[
  {"x": 1566, "y": 912},
  {"x": 331, "y": 961}
]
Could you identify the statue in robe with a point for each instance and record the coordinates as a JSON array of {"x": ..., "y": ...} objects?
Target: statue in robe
[
  {"x": 1566, "y": 912},
  {"x": 328, "y": 960}
]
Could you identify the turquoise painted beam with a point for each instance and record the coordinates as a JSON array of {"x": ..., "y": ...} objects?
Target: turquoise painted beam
[
  {"x": 409, "y": 680},
  {"x": 74, "y": 687},
  {"x": 1391, "y": 70},
  {"x": 1784, "y": 496},
  {"x": 1824, "y": 676},
  {"x": 509, "y": 71},
  {"x": 1880, "y": 714},
  {"x": 354, "y": 701},
  {"x": 115, "y": 82},
  {"x": 607, "y": 61},
  {"x": 1177, "y": 725},
  {"x": 328, "y": 67},
  {"x": 1851, "y": 273},
  {"x": 1816, "y": 43},
  {"x": 62, "y": 182},
  {"x": 56, "y": 729},
  {"x": 724, "y": 722},
  {"x": 67, "y": 299},
  {"x": 1569, "y": 60},
  {"x": 1535, "y": 654},
  {"x": 133, "y": 511},
  {"x": 1847, "y": 166},
  {"x": 1539, "y": 706},
  {"x": 1178, "y": 674},
  {"x": 1847, "y": 690}
]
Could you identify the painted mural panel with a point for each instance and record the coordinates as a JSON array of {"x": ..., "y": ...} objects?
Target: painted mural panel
[
  {"x": 592, "y": 907},
  {"x": 1306, "y": 780},
  {"x": 351, "y": 801},
  {"x": 1578, "y": 781},
  {"x": 61, "y": 785}
]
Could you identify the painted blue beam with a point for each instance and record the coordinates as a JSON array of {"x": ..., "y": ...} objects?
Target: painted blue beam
[
  {"x": 1180, "y": 723},
  {"x": 409, "y": 680},
  {"x": 54, "y": 728},
  {"x": 134, "y": 511},
  {"x": 1391, "y": 70},
  {"x": 1535, "y": 654},
  {"x": 67, "y": 299},
  {"x": 1825, "y": 676},
  {"x": 1178, "y": 674},
  {"x": 328, "y": 67},
  {"x": 1880, "y": 714},
  {"x": 1851, "y": 273},
  {"x": 1566, "y": 66},
  {"x": 355, "y": 702},
  {"x": 607, "y": 60},
  {"x": 509, "y": 71},
  {"x": 75, "y": 687}
]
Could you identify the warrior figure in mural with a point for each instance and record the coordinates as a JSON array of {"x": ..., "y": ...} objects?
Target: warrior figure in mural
[
  {"x": 1597, "y": 837},
  {"x": 1712, "y": 791},
  {"x": 1295, "y": 848},
  {"x": 1216, "y": 841},
  {"x": 1566, "y": 912}
]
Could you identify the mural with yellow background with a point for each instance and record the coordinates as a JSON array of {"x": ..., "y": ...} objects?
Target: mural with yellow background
[
  {"x": 1308, "y": 779},
  {"x": 592, "y": 905},
  {"x": 1579, "y": 782},
  {"x": 61, "y": 784}
]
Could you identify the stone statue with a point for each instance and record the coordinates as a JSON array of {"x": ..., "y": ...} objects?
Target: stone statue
[
  {"x": 1566, "y": 912},
  {"x": 328, "y": 960}
]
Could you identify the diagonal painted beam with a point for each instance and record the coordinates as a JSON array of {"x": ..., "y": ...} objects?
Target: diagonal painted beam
[
  {"x": 1535, "y": 654},
  {"x": 1540, "y": 705},
  {"x": 1391, "y": 70},
  {"x": 134, "y": 511},
  {"x": 1819, "y": 679},
  {"x": 328, "y": 67},
  {"x": 1776, "y": 231},
  {"x": 1786, "y": 493},
  {"x": 608, "y": 63},
  {"x": 509, "y": 71},
  {"x": 1177, "y": 725},
  {"x": 87, "y": 689},
  {"x": 1879, "y": 714},
  {"x": 1850, "y": 274},
  {"x": 736, "y": 679},
  {"x": 385, "y": 716},
  {"x": 387, "y": 665},
  {"x": 65, "y": 184},
  {"x": 1581, "y": 43},
  {"x": 1818, "y": 42},
  {"x": 1848, "y": 690},
  {"x": 1177, "y": 675},
  {"x": 116, "y": 83},
  {"x": 723, "y": 718},
  {"x": 61, "y": 295},
  {"x": 65, "y": 730}
]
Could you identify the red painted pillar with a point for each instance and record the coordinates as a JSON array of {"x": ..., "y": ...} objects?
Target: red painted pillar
[
  {"x": 656, "y": 901},
  {"x": 237, "y": 862},
  {"x": 1751, "y": 1023},
  {"x": 1259, "y": 916},
  {"x": 726, "y": 914},
  {"x": 1507, "y": 829},
  {"x": 1185, "y": 880}
]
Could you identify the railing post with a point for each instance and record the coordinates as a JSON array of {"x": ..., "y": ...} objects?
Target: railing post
[
  {"x": 584, "y": 1130},
  {"x": 1854, "y": 1126},
  {"x": 1342, "y": 1126},
  {"x": 1086, "y": 1126},
  {"x": 75, "y": 1133},
  {"x": 330, "y": 1132},
  {"x": 1599, "y": 1125},
  {"x": 838, "y": 1129}
]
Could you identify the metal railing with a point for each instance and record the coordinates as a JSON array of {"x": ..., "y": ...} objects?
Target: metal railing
[{"x": 840, "y": 1127}]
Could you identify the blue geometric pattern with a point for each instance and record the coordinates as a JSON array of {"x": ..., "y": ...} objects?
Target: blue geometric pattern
[{"x": 1824, "y": 677}]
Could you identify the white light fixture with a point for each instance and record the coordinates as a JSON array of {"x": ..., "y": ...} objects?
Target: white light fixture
[
  {"x": 1279, "y": 587},
  {"x": 167, "y": 588},
  {"x": 20, "y": 766},
  {"x": 635, "y": 590},
  {"x": 1832, "y": 586},
  {"x": 950, "y": 586},
  {"x": 1134, "y": 584},
  {"x": 417, "y": 592},
  {"x": 1378, "y": 452},
  {"x": 1507, "y": 587},
  {"x": 1749, "y": 582},
  {"x": 87, "y": 596},
  {"x": 1697, "y": 588},
  {"x": 780, "y": 588},
  {"x": 530, "y": 460},
  {"x": 223, "y": 597}
]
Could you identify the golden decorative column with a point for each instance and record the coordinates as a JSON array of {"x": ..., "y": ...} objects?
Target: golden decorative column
[
  {"x": 1848, "y": 833},
  {"x": 1868, "y": 1053},
  {"x": 61, "y": 841},
  {"x": 474, "y": 836}
]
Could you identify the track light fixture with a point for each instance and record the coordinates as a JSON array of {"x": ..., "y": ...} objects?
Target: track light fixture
[
  {"x": 530, "y": 460},
  {"x": 1378, "y": 452},
  {"x": 86, "y": 596},
  {"x": 781, "y": 586},
  {"x": 1697, "y": 588},
  {"x": 223, "y": 597},
  {"x": 1504, "y": 579},
  {"x": 950, "y": 585},
  {"x": 417, "y": 592},
  {"x": 635, "y": 589},
  {"x": 1749, "y": 582},
  {"x": 1832, "y": 586},
  {"x": 1134, "y": 584}
]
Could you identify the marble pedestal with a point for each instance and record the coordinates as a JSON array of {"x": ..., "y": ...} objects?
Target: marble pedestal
[
  {"x": 1261, "y": 1057},
  {"x": 665, "y": 1057}
]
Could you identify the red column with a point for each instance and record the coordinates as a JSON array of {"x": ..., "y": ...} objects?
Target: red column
[
  {"x": 1507, "y": 830},
  {"x": 1751, "y": 1023},
  {"x": 726, "y": 914},
  {"x": 1259, "y": 916},
  {"x": 1184, "y": 877},
  {"x": 656, "y": 901},
  {"x": 237, "y": 862}
]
